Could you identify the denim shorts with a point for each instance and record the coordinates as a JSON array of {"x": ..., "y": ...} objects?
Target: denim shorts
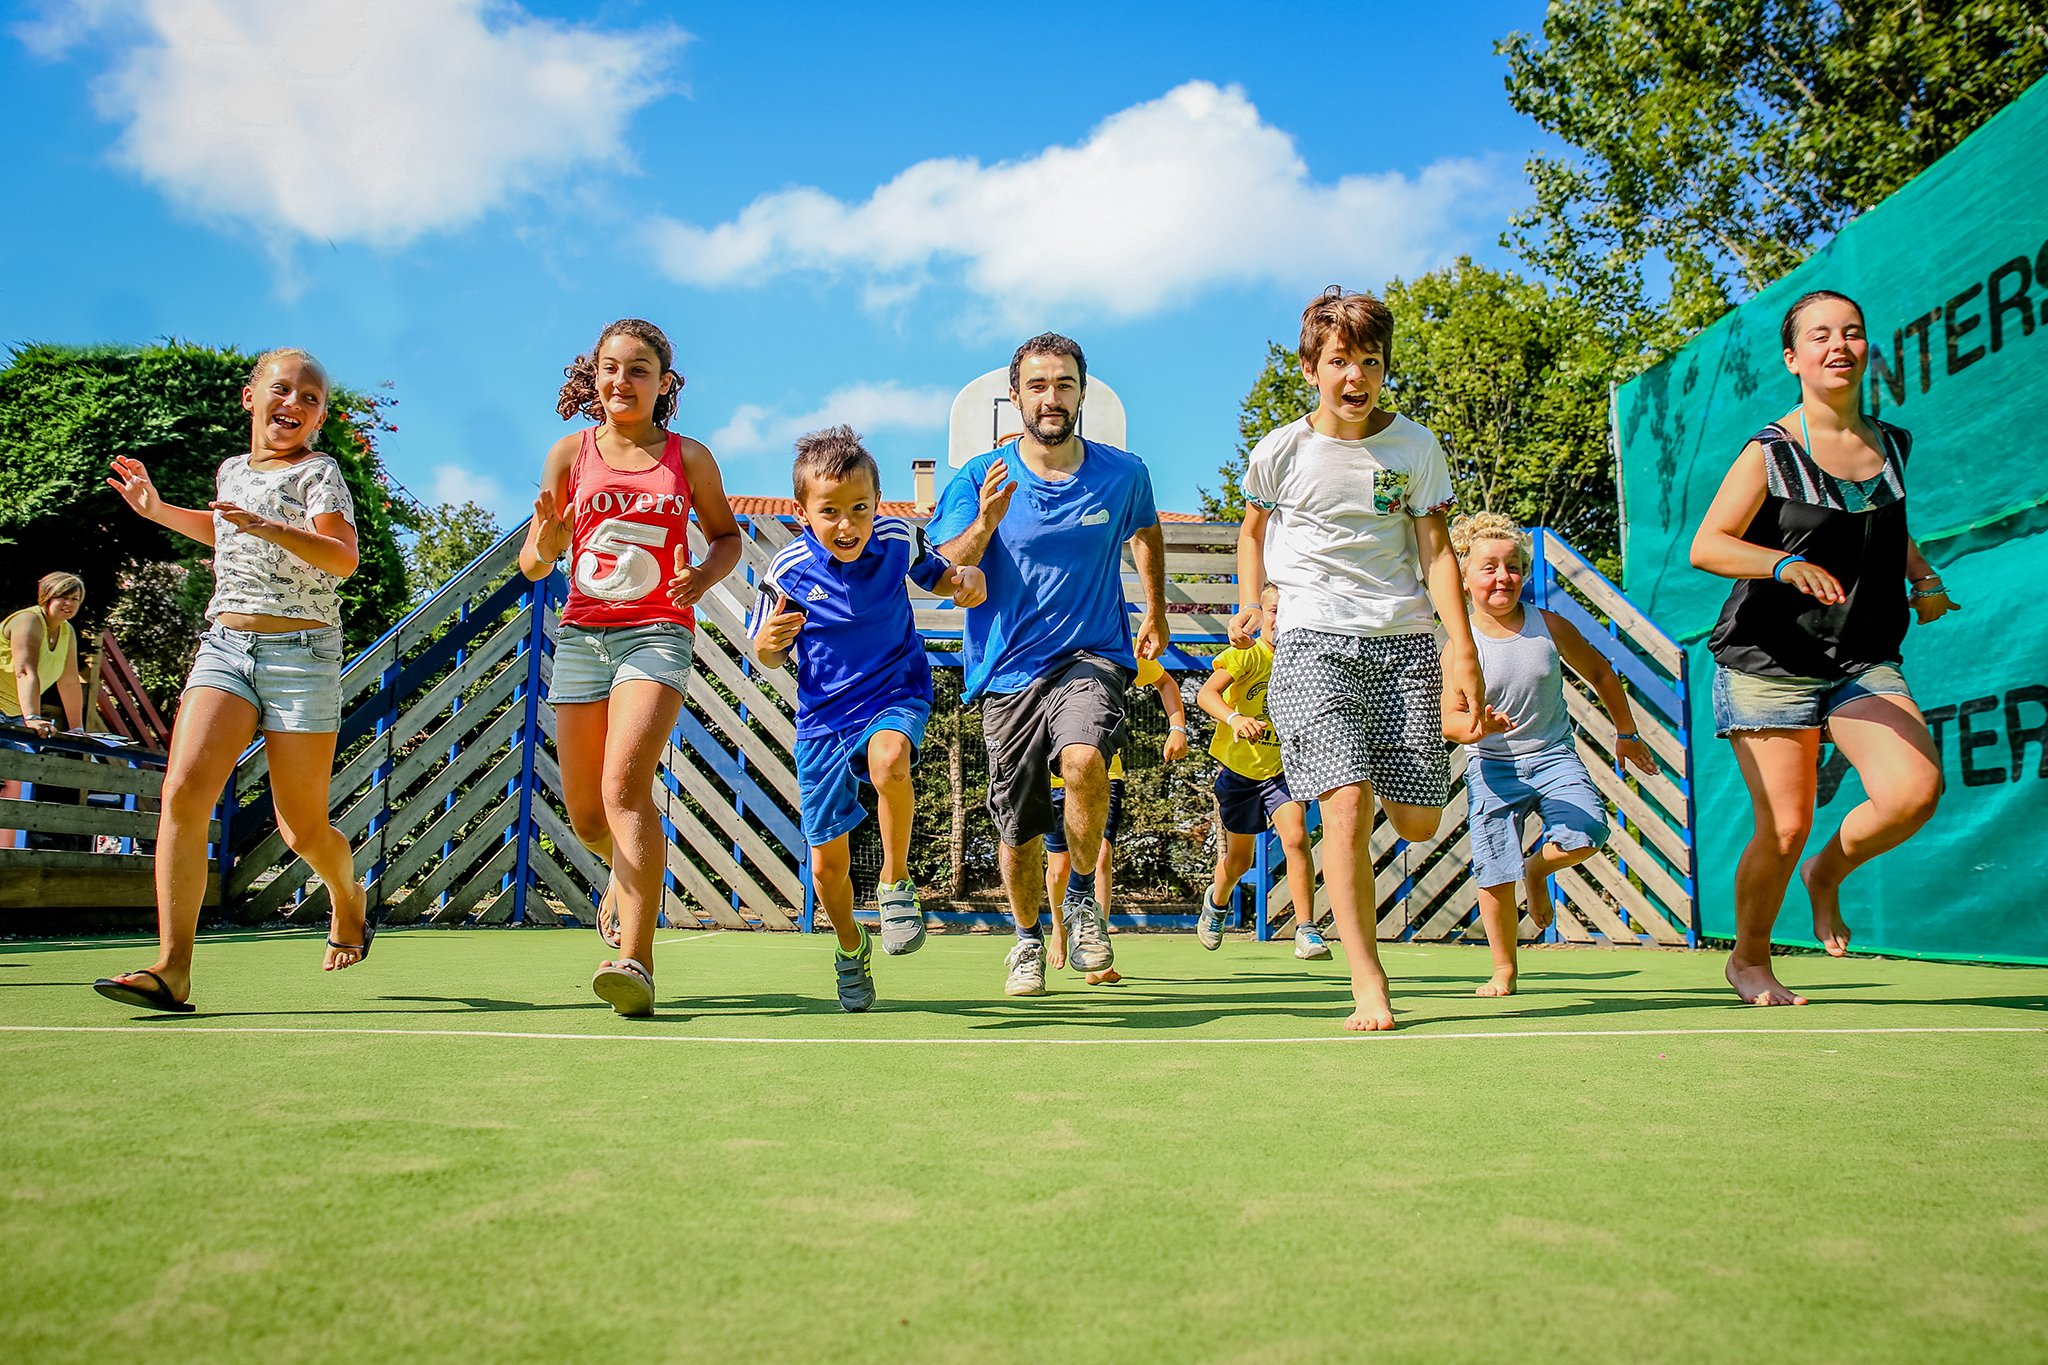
[
  {"x": 1504, "y": 790},
  {"x": 830, "y": 769},
  {"x": 292, "y": 678},
  {"x": 591, "y": 660},
  {"x": 1751, "y": 701}
]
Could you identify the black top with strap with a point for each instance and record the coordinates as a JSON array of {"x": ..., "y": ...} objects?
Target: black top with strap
[{"x": 1857, "y": 532}]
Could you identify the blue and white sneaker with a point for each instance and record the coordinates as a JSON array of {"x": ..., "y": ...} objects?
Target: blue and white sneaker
[
  {"x": 902, "y": 917},
  {"x": 1308, "y": 943},
  {"x": 1088, "y": 948},
  {"x": 856, "y": 981},
  {"x": 1209, "y": 924}
]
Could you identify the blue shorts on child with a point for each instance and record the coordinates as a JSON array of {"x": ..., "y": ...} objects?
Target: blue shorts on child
[
  {"x": 1248, "y": 803},
  {"x": 1504, "y": 790},
  {"x": 830, "y": 768}
]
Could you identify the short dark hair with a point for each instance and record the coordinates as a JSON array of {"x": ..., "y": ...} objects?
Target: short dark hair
[
  {"x": 1048, "y": 343},
  {"x": 833, "y": 453},
  {"x": 1360, "y": 321},
  {"x": 1789, "y": 328}
]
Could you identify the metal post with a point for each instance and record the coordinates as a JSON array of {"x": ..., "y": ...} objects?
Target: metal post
[
  {"x": 529, "y": 741},
  {"x": 1262, "y": 883}
]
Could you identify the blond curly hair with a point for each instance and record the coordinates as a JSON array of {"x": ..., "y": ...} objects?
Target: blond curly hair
[{"x": 1468, "y": 531}]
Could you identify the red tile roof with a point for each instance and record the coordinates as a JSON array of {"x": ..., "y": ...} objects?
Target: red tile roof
[{"x": 747, "y": 505}]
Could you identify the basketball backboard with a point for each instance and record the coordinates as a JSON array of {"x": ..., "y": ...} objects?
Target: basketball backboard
[{"x": 984, "y": 418}]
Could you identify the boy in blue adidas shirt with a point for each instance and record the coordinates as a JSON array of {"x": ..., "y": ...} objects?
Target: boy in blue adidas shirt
[{"x": 834, "y": 598}]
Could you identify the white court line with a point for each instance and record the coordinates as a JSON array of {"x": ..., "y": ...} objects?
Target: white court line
[
  {"x": 686, "y": 938},
  {"x": 1395, "y": 1036}
]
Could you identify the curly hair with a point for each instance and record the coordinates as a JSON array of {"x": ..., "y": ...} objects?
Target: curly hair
[
  {"x": 579, "y": 388},
  {"x": 1468, "y": 531},
  {"x": 834, "y": 453}
]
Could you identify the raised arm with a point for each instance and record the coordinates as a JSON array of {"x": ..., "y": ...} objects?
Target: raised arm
[
  {"x": 132, "y": 482},
  {"x": 1718, "y": 546},
  {"x": 993, "y": 499},
  {"x": 1148, "y": 552},
  {"x": 715, "y": 519},
  {"x": 1251, "y": 574},
  {"x": 1590, "y": 664},
  {"x": 548, "y": 532}
]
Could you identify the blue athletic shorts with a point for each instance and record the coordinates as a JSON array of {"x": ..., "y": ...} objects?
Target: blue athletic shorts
[
  {"x": 1056, "y": 837},
  {"x": 830, "y": 769},
  {"x": 292, "y": 678},
  {"x": 1248, "y": 803},
  {"x": 1503, "y": 791}
]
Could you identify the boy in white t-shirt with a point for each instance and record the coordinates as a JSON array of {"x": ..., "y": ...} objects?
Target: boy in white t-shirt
[{"x": 1344, "y": 513}]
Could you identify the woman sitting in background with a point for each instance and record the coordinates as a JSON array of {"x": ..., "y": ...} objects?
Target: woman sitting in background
[{"x": 38, "y": 647}]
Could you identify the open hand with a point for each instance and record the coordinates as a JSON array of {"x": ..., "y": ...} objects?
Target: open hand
[
  {"x": 132, "y": 482},
  {"x": 551, "y": 528},
  {"x": 970, "y": 586},
  {"x": 1638, "y": 752},
  {"x": 1243, "y": 625},
  {"x": 995, "y": 494},
  {"x": 244, "y": 520}
]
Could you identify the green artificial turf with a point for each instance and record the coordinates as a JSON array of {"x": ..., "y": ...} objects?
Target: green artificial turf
[{"x": 399, "y": 1162}]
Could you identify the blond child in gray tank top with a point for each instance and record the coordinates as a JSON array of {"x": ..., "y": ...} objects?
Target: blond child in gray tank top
[{"x": 1533, "y": 765}]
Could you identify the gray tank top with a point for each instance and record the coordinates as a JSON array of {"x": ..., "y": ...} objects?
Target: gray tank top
[{"x": 1524, "y": 681}]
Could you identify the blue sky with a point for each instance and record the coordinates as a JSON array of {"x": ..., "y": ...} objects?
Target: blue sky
[{"x": 834, "y": 212}]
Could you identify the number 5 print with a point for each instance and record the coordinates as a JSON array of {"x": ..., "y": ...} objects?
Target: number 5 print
[{"x": 634, "y": 572}]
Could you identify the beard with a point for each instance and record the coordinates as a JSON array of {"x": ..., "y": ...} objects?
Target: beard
[{"x": 1051, "y": 428}]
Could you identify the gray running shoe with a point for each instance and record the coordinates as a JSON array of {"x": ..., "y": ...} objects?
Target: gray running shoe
[
  {"x": 1309, "y": 945},
  {"x": 902, "y": 918},
  {"x": 1209, "y": 924},
  {"x": 1027, "y": 968},
  {"x": 856, "y": 980},
  {"x": 1088, "y": 947}
]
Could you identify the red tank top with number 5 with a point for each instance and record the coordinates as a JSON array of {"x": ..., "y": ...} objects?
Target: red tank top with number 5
[{"x": 626, "y": 533}]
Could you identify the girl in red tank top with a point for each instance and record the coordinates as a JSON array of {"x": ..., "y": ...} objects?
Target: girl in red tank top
[{"x": 619, "y": 498}]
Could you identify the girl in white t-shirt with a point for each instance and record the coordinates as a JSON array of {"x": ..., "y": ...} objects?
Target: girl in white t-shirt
[{"x": 282, "y": 528}]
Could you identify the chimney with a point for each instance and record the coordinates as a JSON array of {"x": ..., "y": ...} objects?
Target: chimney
[{"x": 923, "y": 477}]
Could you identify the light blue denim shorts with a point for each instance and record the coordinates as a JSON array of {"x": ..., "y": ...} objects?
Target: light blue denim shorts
[
  {"x": 292, "y": 678},
  {"x": 591, "y": 660},
  {"x": 1503, "y": 791},
  {"x": 1751, "y": 701}
]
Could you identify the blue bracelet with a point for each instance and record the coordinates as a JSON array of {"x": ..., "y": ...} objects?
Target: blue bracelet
[{"x": 1778, "y": 574}]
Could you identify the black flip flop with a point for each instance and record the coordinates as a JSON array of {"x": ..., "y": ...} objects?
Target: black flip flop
[
  {"x": 141, "y": 996},
  {"x": 362, "y": 951}
]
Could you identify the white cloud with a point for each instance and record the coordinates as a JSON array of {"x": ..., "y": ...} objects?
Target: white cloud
[
  {"x": 1186, "y": 192},
  {"x": 453, "y": 483},
  {"x": 867, "y": 408},
  {"x": 370, "y": 120}
]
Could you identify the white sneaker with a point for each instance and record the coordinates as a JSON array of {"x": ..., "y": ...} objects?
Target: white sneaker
[
  {"x": 1088, "y": 948},
  {"x": 1209, "y": 924},
  {"x": 1027, "y": 968},
  {"x": 1309, "y": 945}
]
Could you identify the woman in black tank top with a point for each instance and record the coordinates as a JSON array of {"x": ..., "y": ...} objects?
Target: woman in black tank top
[{"x": 1811, "y": 523}]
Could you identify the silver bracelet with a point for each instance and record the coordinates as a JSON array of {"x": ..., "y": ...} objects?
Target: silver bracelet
[{"x": 1171, "y": 728}]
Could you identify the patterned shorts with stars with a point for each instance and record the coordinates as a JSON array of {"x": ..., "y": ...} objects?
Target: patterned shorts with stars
[{"x": 1351, "y": 708}]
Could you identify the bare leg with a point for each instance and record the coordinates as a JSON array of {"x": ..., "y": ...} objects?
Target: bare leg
[
  {"x": 1538, "y": 868},
  {"x": 1087, "y": 801},
  {"x": 301, "y": 767},
  {"x": 1290, "y": 822},
  {"x": 1779, "y": 768},
  {"x": 1503, "y": 921},
  {"x": 212, "y": 730},
  {"x": 9, "y": 791},
  {"x": 1348, "y": 873},
  {"x": 1023, "y": 868},
  {"x": 579, "y": 742},
  {"x": 641, "y": 715},
  {"x": 1886, "y": 741},
  {"x": 1057, "y": 865},
  {"x": 1240, "y": 851},
  {"x": 832, "y": 881},
  {"x": 889, "y": 754}
]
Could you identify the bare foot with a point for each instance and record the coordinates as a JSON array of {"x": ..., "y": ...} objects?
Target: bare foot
[
  {"x": 1371, "y": 1011},
  {"x": 1541, "y": 911},
  {"x": 347, "y": 927},
  {"x": 1503, "y": 983},
  {"x": 1755, "y": 984},
  {"x": 1107, "y": 977},
  {"x": 1055, "y": 949},
  {"x": 1827, "y": 911}
]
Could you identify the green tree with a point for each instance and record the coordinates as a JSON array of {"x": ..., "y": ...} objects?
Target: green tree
[
  {"x": 1714, "y": 146},
  {"x": 1512, "y": 378},
  {"x": 448, "y": 538},
  {"x": 1277, "y": 397},
  {"x": 66, "y": 411}
]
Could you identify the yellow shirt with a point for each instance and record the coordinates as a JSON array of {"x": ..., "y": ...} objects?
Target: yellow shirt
[
  {"x": 1150, "y": 671},
  {"x": 1249, "y": 670},
  {"x": 49, "y": 664}
]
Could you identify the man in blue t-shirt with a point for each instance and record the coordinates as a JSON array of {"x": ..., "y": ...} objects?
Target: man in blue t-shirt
[
  {"x": 1050, "y": 650},
  {"x": 834, "y": 600}
]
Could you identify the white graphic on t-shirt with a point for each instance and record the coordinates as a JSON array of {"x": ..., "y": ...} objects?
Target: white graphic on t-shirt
[
  {"x": 634, "y": 572},
  {"x": 1099, "y": 517},
  {"x": 816, "y": 594}
]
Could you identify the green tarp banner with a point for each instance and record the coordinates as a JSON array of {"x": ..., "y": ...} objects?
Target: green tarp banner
[{"x": 1952, "y": 273}]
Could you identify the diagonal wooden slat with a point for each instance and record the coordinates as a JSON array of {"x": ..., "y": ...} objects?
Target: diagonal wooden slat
[
  {"x": 764, "y": 759},
  {"x": 1566, "y": 562},
  {"x": 482, "y": 883},
  {"x": 1592, "y": 719},
  {"x": 489, "y": 789},
  {"x": 1652, "y": 821},
  {"x": 1622, "y": 846},
  {"x": 760, "y": 709},
  {"x": 1594, "y": 907},
  {"x": 720, "y": 861},
  {"x": 1603, "y": 871},
  {"x": 710, "y": 900},
  {"x": 771, "y": 864}
]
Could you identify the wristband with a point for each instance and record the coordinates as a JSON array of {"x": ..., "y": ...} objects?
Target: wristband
[
  {"x": 1778, "y": 573},
  {"x": 1232, "y": 716},
  {"x": 1928, "y": 578},
  {"x": 1619, "y": 736},
  {"x": 1171, "y": 728}
]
